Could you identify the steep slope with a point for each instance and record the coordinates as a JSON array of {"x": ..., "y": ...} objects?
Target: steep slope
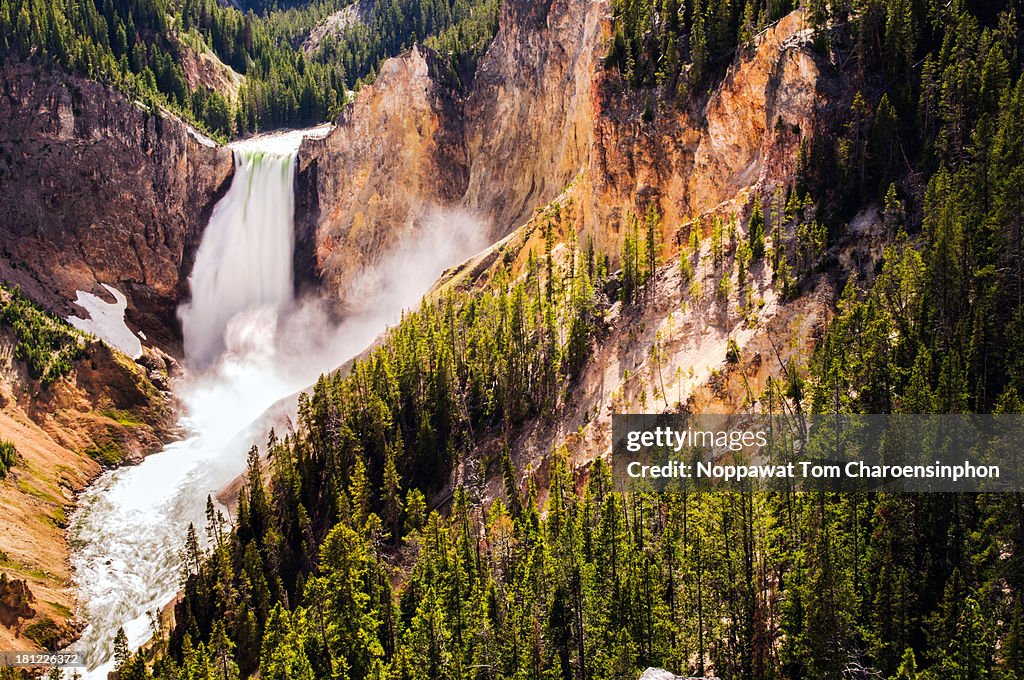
[
  {"x": 550, "y": 136},
  {"x": 204, "y": 69},
  {"x": 531, "y": 116},
  {"x": 356, "y": 12},
  {"x": 100, "y": 409},
  {"x": 704, "y": 337},
  {"x": 395, "y": 153},
  {"x": 544, "y": 113},
  {"x": 94, "y": 189},
  {"x": 546, "y": 119}
]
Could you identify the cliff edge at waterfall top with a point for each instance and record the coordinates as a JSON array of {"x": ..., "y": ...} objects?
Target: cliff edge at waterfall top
[{"x": 319, "y": 318}]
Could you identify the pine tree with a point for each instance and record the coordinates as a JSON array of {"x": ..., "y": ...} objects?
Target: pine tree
[
  {"x": 908, "y": 666},
  {"x": 392, "y": 494},
  {"x": 755, "y": 230},
  {"x": 122, "y": 654},
  {"x": 283, "y": 656}
]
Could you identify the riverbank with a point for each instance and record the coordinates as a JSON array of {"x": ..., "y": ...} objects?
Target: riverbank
[{"x": 106, "y": 411}]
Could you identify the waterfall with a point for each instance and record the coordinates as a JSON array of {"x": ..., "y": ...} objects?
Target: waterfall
[
  {"x": 255, "y": 348},
  {"x": 244, "y": 262},
  {"x": 130, "y": 523}
]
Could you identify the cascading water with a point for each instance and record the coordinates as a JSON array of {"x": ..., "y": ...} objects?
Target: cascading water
[
  {"x": 245, "y": 259},
  {"x": 127, "y": 531},
  {"x": 248, "y": 347}
]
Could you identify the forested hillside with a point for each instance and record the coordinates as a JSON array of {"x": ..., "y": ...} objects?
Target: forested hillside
[
  {"x": 349, "y": 558},
  {"x": 139, "y": 45}
]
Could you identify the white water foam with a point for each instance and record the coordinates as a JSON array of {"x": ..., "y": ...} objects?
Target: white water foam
[
  {"x": 245, "y": 259},
  {"x": 253, "y": 346},
  {"x": 128, "y": 529}
]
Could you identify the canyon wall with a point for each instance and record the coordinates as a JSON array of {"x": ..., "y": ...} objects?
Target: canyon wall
[
  {"x": 95, "y": 189},
  {"x": 545, "y": 114},
  {"x": 530, "y": 117},
  {"x": 547, "y": 123},
  {"x": 395, "y": 153}
]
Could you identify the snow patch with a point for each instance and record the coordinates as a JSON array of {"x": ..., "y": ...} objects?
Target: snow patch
[{"x": 106, "y": 321}]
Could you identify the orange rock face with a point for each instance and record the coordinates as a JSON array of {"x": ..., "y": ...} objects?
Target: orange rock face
[{"x": 544, "y": 113}]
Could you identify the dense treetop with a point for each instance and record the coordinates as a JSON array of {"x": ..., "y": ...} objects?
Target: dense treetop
[
  {"x": 337, "y": 567},
  {"x": 138, "y": 45}
]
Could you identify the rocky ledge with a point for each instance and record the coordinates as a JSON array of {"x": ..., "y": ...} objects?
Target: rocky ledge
[{"x": 95, "y": 188}]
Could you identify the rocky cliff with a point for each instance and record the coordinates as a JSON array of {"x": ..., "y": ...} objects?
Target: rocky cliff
[
  {"x": 550, "y": 138},
  {"x": 102, "y": 410},
  {"x": 531, "y": 115},
  {"x": 395, "y": 152},
  {"x": 95, "y": 189},
  {"x": 543, "y": 114}
]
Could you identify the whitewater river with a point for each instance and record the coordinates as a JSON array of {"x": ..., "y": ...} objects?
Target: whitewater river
[
  {"x": 249, "y": 345},
  {"x": 131, "y": 522}
]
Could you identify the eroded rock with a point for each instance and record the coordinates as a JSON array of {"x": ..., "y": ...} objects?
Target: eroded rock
[
  {"x": 15, "y": 601},
  {"x": 95, "y": 189}
]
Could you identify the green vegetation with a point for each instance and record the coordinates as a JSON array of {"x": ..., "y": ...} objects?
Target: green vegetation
[
  {"x": 600, "y": 585},
  {"x": 47, "y": 344},
  {"x": 32, "y": 490},
  {"x": 8, "y": 563},
  {"x": 59, "y": 518},
  {"x": 940, "y": 328},
  {"x": 123, "y": 417},
  {"x": 639, "y": 255},
  {"x": 108, "y": 454},
  {"x": 457, "y": 30},
  {"x": 61, "y": 609},
  {"x": 44, "y": 633},
  {"x": 339, "y": 567},
  {"x": 139, "y": 46},
  {"x": 8, "y": 456},
  {"x": 681, "y": 45},
  {"x": 460, "y": 371},
  {"x": 732, "y": 352},
  {"x": 460, "y": 45}
]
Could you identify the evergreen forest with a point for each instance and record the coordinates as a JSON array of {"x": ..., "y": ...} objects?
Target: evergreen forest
[
  {"x": 349, "y": 558},
  {"x": 138, "y": 47}
]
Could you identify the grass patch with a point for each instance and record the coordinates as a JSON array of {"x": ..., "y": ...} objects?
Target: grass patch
[
  {"x": 142, "y": 381},
  {"x": 59, "y": 518},
  {"x": 108, "y": 454},
  {"x": 36, "y": 492},
  {"x": 126, "y": 418},
  {"x": 61, "y": 609},
  {"x": 7, "y": 562}
]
